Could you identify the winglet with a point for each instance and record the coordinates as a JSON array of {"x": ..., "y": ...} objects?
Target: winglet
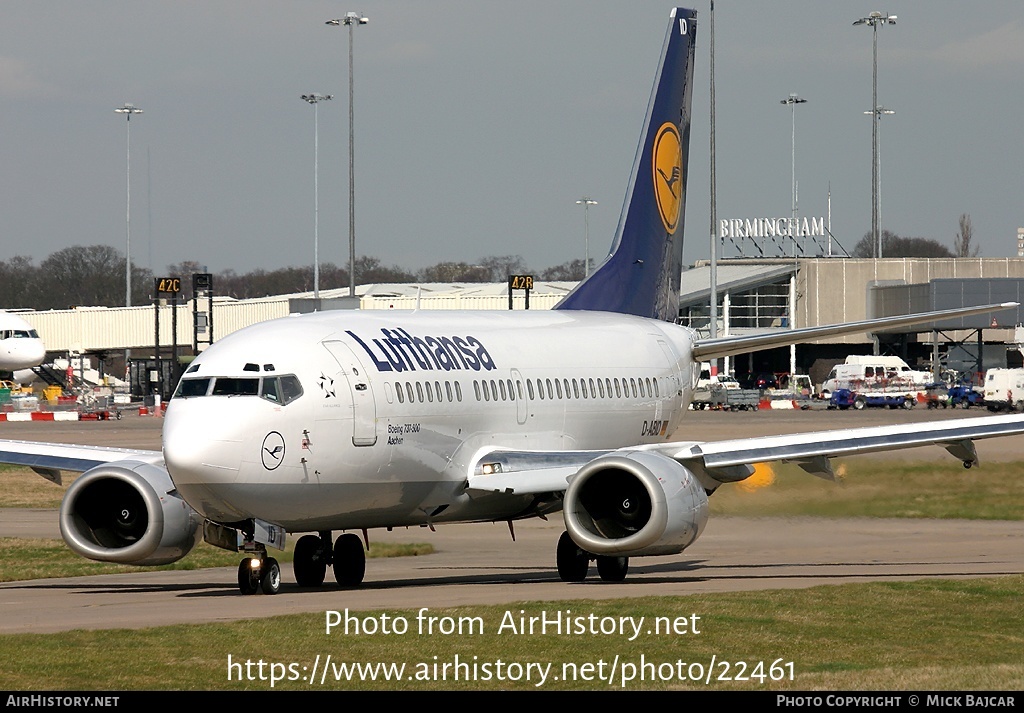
[{"x": 641, "y": 273}]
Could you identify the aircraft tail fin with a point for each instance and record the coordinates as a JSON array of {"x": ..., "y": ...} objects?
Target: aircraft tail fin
[{"x": 642, "y": 271}]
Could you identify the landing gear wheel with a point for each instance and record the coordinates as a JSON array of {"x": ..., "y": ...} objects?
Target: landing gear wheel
[
  {"x": 248, "y": 581},
  {"x": 572, "y": 561},
  {"x": 310, "y": 561},
  {"x": 612, "y": 569},
  {"x": 349, "y": 560},
  {"x": 270, "y": 580}
]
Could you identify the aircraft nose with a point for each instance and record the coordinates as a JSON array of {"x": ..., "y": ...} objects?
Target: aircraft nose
[
  {"x": 203, "y": 451},
  {"x": 35, "y": 352}
]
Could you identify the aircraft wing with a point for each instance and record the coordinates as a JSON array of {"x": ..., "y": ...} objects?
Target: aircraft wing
[
  {"x": 730, "y": 346},
  {"x": 49, "y": 459},
  {"x": 526, "y": 472},
  {"x": 523, "y": 472}
]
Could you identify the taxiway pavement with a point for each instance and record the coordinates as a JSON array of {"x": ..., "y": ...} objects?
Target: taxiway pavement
[{"x": 480, "y": 564}]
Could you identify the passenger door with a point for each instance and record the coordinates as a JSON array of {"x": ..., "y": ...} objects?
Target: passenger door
[{"x": 364, "y": 408}]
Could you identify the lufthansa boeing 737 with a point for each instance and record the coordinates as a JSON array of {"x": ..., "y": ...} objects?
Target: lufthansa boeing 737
[{"x": 341, "y": 421}]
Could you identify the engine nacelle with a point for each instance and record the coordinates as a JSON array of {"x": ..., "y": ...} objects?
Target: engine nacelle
[
  {"x": 128, "y": 512},
  {"x": 633, "y": 504}
]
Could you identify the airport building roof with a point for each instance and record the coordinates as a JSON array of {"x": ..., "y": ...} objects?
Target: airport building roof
[{"x": 695, "y": 286}]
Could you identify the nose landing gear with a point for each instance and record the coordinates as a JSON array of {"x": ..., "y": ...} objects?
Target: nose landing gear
[
  {"x": 313, "y": 554},
  {"x": 259, "y": 573}
]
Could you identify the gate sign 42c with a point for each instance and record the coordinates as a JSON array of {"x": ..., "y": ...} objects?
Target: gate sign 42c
[{"x": 168, "y": 285}]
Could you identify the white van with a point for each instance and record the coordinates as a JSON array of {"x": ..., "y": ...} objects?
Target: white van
[
  {"x": 1004, "y": 389},
  {"x": 866, "y": 372}
]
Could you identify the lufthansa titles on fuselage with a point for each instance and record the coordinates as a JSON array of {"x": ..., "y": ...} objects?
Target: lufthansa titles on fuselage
[{"x": 400, "y": 351}]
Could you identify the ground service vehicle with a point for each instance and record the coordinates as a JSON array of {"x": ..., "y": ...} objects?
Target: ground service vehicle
[{"x": 1004, "y": 389}]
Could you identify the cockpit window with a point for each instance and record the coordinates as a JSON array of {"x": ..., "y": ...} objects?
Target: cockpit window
[
  {"x": 291, "y": 388},
  {"x": 276, "y": 389},
  {"x": 19, "y": 334},
  {"x": 271, "y": 389},
  {"x": 234, "y": 386},
  {"x": 192, "y": 387}
]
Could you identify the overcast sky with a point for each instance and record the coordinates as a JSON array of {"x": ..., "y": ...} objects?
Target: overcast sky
[{"x": 479, "y": 124}]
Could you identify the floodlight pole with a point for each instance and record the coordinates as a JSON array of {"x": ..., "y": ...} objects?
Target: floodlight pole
[
  {"x": 873, "y": 20},
  {"x": 586, "y": 202},
  {"x": 315, "y": 99},
  {"x": 793, "y": 100},
  {"x": 351, "y": 19},
  {"x": 878, "y": 113},
  {"x": 128, "y": 110}
]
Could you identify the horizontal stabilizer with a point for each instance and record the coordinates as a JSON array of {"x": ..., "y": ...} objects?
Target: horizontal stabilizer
[{"x": 730, "y": 346}]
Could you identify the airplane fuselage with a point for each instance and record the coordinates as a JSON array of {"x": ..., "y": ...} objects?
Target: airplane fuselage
[
  {"x": 20, "y": 345},
  {"x": 405, "y": 402}
]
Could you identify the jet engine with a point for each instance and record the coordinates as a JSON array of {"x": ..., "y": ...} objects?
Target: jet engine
[
  {"x": 128, "y": 512},
  {"x": 634, "y": 503}
]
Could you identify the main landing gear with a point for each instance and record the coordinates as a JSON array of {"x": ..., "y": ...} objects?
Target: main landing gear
[
  {"x": 313, "y": 554},
  {"x": 573, "y": 563}
]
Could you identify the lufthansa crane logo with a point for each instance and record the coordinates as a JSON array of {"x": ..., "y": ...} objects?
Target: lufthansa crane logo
[
  {"x": 667, "y": 161},
  {"x": 273, "y": 450}
]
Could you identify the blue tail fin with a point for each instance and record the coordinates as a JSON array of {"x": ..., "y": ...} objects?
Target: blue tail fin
[{"x": 641, "y": 273}]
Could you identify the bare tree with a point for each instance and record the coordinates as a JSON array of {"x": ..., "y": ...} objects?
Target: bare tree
[
  {"x": 371, "y": 269},
  {"x": 19, "y": 282},
  {"x": 455, "y": 272},
  {"x": 896, "y": 246},
  {"x": 90, "y": 275},
  {"x": 963, "y": 243},
  {"x": 501, "y": 266},
  {"x": 567, "y": 271}
]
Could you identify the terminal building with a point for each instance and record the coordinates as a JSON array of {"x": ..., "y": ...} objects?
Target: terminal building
[{"x": 754, "y": 295}]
